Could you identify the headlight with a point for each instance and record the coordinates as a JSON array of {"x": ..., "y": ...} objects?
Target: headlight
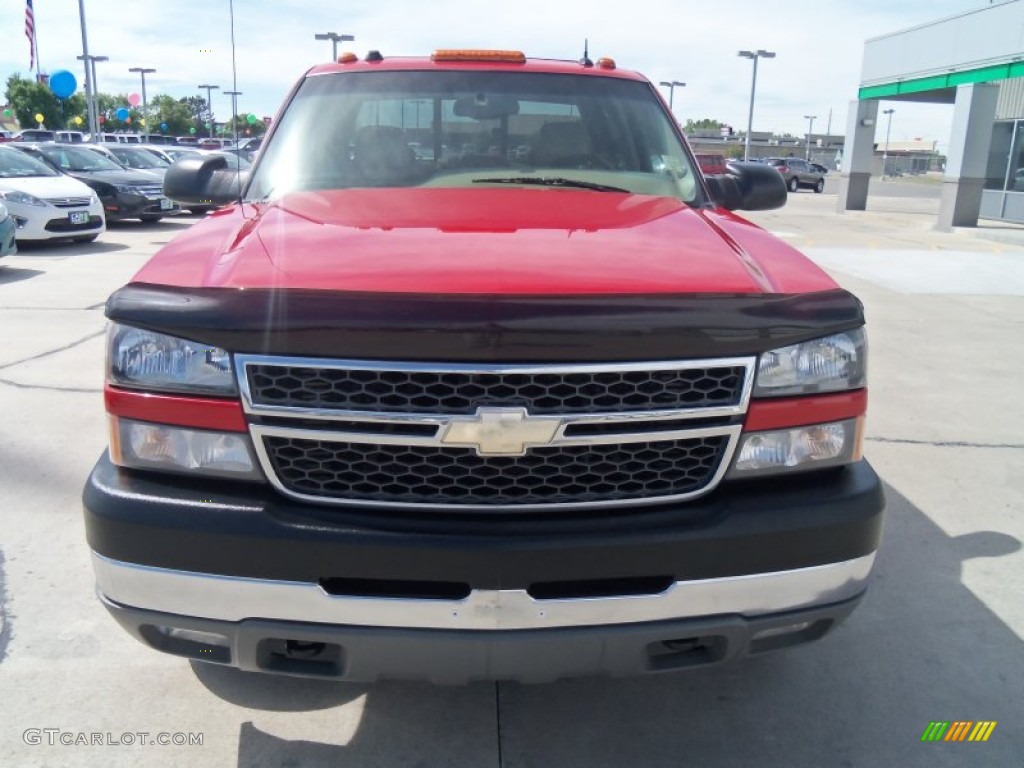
[
  {"x": 799, "y": 448},
  {"x": 22, "y": 197},
  {"x": 130, "y": 189},
  {"x": 828, "y": 364},
  {"x": 147, "y": 360},
  {"x": 143, "y": 445}
]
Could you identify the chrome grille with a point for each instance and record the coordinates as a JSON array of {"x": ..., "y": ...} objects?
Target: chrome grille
[
  {"x": 419, "y": 391},
  {"x": 453, "y": 476},
  {"x": 69, "y": 202},
  {"x": 150, "y": 190},
  {"x": 486, "y": 437}
]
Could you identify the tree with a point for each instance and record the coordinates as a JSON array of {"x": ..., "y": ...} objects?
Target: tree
[
  {"x": 200, "y": 110},
  {"x": 246, "y": 130},
  {"x": 174, "y": 113},
  {"x": 29, "y": 98},
  {"x": 704, "y": 124}
]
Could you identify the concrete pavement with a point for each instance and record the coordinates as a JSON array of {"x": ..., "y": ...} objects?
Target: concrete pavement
[{"x": 939, "y": 636}]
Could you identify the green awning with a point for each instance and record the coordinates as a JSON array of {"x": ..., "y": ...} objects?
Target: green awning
[{"x": 940, "y": 82}]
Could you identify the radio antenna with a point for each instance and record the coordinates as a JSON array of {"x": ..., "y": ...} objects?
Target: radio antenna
[
  {"x": 585, "y": 61},
  {"x": 234, "y": 118}
]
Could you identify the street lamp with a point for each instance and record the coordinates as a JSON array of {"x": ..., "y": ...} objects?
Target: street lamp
[
  {"x": 754, "y": 55},
  {"x": 671, "y": 85},
  {"x": 209, "y": 102},
  {"x": 885, "y": 152},
  {"x": 334, "y": 37},
  {"x": 810, "y": 130},
  {"x": 90, "y": 73},
  {"x": 145, "y": 114},
  {"x": 90, "y": 89},
  {"x": 234, "y": 110}
]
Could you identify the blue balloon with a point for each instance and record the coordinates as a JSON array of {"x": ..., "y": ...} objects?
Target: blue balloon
[
  {"x": 122, "y": 113},
  {"x": 63, "y": 83},
  {"x": 163, "y": 127}
]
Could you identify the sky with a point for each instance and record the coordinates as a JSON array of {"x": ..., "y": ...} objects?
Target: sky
[{"x": 819, "y": 47}]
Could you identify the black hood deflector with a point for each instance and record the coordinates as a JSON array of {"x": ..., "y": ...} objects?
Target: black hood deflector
[{"x": 460, "y": 327}]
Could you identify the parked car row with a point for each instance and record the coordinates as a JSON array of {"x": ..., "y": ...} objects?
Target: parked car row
[{"x": 54, "y": 190}]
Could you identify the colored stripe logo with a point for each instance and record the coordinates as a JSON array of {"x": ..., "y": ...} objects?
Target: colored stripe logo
[{"x": 958, "y": 730}]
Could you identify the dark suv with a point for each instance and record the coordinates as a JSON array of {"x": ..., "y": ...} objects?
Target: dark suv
[{"x": 798, "y": 173}]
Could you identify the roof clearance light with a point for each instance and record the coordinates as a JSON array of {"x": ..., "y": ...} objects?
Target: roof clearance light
[
  {"x": 605, "y": 63},
  {"x": 347, "y": 58},
  {"x": 450, "y": 54}
]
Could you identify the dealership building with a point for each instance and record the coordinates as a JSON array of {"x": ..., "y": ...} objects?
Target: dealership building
[{"x": 974, "y": 61}]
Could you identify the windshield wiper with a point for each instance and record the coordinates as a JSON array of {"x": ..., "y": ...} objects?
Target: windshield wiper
[{"x": 551, "y": 181}]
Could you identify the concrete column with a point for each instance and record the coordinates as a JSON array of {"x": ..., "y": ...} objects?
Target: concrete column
[
  {"x": 857, "y": 155},
  {"x": 967, "y": 160}
]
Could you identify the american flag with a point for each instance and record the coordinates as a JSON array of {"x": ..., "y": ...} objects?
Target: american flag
[{"x": 30, "y": 33}]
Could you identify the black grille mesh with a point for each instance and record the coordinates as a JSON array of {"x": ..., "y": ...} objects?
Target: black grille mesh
[
  {"x": 549, "y": 474},
  {"x": 462, "y": 393}
]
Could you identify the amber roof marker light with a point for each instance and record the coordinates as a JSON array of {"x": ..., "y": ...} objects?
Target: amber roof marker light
[{"x": 464, "y": 54}]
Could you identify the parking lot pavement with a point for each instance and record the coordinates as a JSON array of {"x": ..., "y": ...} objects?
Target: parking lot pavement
[{"x": 939, "y": 636}]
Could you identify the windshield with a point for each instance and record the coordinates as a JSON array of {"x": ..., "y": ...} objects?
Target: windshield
[
  {"x": 471, "y": 129},
  {"x": 15, "y": 164},
  {"x": 137, "y": 158},
  {"x": 75, "y": 159}
]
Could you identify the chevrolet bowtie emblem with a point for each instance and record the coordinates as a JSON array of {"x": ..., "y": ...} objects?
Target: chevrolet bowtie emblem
[{"x": 501, "y": 431}]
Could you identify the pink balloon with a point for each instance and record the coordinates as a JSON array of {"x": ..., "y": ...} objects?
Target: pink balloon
[{"x": 134, "y": 99}]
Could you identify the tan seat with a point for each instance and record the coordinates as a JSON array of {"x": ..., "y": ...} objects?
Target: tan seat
[
  {"x": 382, "y": 157},
  {"x": 561, "y": 143}
]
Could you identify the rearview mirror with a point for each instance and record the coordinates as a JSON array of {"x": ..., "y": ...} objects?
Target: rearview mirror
[
  {"x": 483, "y": 106},
  {"x": 208, "y": 180},
  {"x": 748, "y": 187}
]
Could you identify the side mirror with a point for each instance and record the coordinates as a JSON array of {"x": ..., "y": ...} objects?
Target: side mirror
[
  {"x": 208, "y": 180},
  {"x": 748, "y": 187}
]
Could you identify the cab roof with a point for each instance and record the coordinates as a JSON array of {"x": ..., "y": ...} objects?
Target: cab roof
[{"x": 374, "y": 61}]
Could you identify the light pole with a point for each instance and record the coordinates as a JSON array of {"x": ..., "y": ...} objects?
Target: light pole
[
  {"x": 334, "y": 37},
  {"x": 145, "y": 114},
  {"x": 90, "y": 73},
  {"x": 760, "y": 53},
  {"x": 671, "y": 85},
  {"x": 885, "y": 152},
  {"x": 209, "y": 102},
  {"x": 90, "y": 106},
  {"x": 810, "y": 130},
  {"x": 234, "y": 111}
]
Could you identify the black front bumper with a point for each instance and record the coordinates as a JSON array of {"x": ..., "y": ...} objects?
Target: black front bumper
[
  {"x": 367, "y": 654},
  {"x": 245, "y": 530},
  {"x": 128, "y": 206}
]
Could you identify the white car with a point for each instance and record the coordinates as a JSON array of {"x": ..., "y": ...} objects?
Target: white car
[{"x": 45, "y": 204}]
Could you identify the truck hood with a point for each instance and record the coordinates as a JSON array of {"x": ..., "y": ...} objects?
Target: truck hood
[{"x": 520, "y": 241}]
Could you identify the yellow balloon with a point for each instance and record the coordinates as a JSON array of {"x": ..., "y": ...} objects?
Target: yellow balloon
[
  {"x": 39, "y": 117},
  {"x": 78, "y": 120}
]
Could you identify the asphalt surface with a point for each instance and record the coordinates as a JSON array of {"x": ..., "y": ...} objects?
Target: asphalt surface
[{"x": 939, "y": 636}]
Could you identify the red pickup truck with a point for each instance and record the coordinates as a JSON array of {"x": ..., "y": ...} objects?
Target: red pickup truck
[{"x": 480, "y": 378}]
